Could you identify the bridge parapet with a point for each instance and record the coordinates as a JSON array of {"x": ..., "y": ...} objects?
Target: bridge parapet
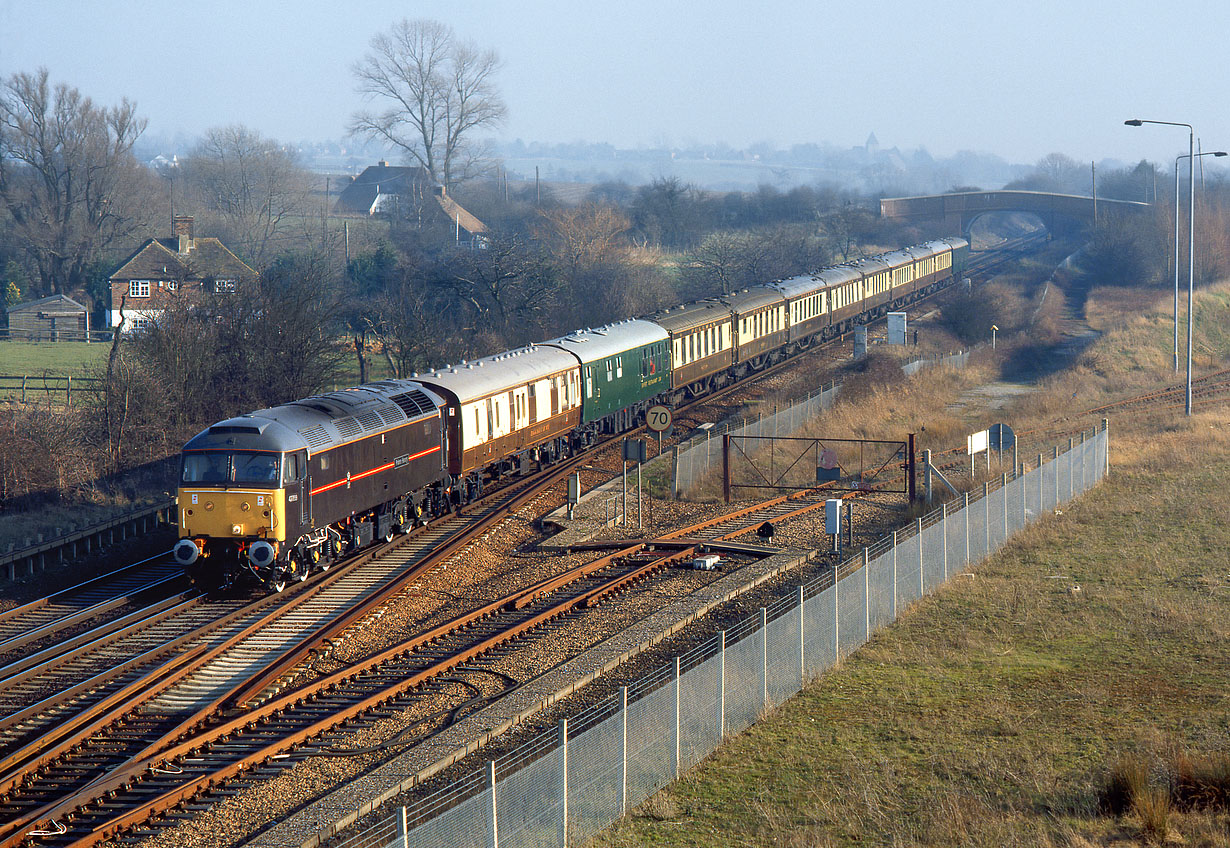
[{"x": 962, "y": 208}]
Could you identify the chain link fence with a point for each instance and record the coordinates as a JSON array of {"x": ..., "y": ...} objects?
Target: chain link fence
[{"x": 563, "y": 787}]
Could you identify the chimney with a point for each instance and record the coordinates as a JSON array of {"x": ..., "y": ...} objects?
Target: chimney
[
  {"x": 382, "y": 163},
  {"x": 181, "y": 229}
]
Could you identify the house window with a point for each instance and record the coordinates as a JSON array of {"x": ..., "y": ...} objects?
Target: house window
[
  {"x": 225, "y": 286},
  {"x": 141, "y": 323},
  {"x": 138, "y": 288}
]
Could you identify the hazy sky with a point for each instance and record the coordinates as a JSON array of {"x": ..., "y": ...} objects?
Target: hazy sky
[{"x": 1017, "y": 79}]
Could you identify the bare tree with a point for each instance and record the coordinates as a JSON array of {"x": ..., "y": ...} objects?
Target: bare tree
[
  {"x": 438, "y": 90},
  {"x": 68, "y": 177},
  {"x": 254, "y": 186}
]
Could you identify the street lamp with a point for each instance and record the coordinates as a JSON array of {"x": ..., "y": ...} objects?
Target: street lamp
[
  {"x": 1176, "y": 248},
  {"x": 1191, "y": 240}
]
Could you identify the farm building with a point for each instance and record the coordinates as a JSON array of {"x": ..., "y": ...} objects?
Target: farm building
[{"x": 56, "y": 318}]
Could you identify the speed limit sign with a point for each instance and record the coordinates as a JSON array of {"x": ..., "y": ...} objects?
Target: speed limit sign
[{"x": 658, "y": 418}]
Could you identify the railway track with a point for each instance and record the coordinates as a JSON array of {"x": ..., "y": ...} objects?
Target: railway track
[{"x": 126, "y": 778}]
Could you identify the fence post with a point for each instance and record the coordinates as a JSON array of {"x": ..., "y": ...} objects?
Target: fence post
[
  {"x": 965, "y": 512},
  {"x": 678, "y": 735},
  {"x": 1084, "y": 450},
  {"x": 623, "y": 750},
  {"x": 866, "y": 596},
  {"x": 1055, "y": 470},
  {"x": 1041, "y": 501},
  {"x": 721, "y": 717},
  {"x": 802, "y": 644},
  {"x": 405, "y": 830},
  {"x": 1071, "y": 475},
  {"x": 922, "y": 587},
  {"x": 764, "y": 657},
  {"x": 1003, "y": 493},
  {"x": 563, "y": 782},
  {"x": 986, "y": 511},
  {"x": 1106, "y": 446},
  {"x": 836, "y": 620},
  {"x": 944, "y": 535},
  {"x": 894, "y": 575},
  {"x": 495, "y": 810}
]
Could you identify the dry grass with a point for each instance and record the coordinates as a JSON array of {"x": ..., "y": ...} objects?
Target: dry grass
[{"x": 989, "y": 714}]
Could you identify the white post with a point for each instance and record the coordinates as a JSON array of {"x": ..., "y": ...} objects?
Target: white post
[
  {"x": 764, "y": 657},
  {"x": 944, "y": 535},
  {"x": 986, "y": 515},
  {"x": 721, "y": 717},
  {"x": 802, "y": 644},
  {"x": 836, "y": 620},
  {"x": 405, "y": 830},
  {"x": 678, "y": 695},
  {"x": 965, "y": 511},
  {"x": 563, "y": 782},
  {"x": 866, "y": 596},
  {"x": 623, "y": 750},
  {"x": 922, "y": 589},
  {"x": 894, "y": 575},
  {"x": 1003, "y": 493},
  {"x": 495, "y": 818}
]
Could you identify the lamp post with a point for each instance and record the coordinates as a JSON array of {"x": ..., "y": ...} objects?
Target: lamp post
[
  {"x": 1176, "y": 249},
  {"x": 1191, "y": 240}
]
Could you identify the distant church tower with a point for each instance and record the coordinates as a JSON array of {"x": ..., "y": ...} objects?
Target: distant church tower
[{"x": 873, "y": 144}]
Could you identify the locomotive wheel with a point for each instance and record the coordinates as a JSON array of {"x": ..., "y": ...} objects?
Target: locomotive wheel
[
  {"x": 278, "y": 583},
  {"x": 301, "y": 567}
]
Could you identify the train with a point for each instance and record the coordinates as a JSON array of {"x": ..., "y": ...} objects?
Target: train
[{"x": 281, "y": 492}]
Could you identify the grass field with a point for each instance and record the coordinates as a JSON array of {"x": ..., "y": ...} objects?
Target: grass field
[
  {"x": 996, "y": 711},
  {"x": 55, "y": 358}
]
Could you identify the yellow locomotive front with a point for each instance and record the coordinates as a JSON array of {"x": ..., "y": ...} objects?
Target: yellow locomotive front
[{"x": 232, "y": 512}]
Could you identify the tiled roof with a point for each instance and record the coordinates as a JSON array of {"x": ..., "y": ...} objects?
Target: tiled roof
[{"x": 159, "y": 259}]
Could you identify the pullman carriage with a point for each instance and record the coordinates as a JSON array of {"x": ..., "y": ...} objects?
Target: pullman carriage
[
  {"x": 503, "y": 410},
  {"x": 806, "y": 308},
  {"x": 760, "y": 327},
  {"x": 933, "y": 263},
  {"x": 844, "y": 289},
  {"x": 702, "y": 344},
  {"x": 877, "y": 284}
]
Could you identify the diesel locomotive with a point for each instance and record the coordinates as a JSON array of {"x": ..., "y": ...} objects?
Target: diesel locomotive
[{"x": 279, "y": 492}]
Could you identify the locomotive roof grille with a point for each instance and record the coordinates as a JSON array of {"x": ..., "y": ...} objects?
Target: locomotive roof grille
[
  {"x": 413, "y": 403},
  {"x": 370, "y": 420},
  {"x": 348, "y": 427},
  {"x": 316, "y": 436},
  {"x": 390, "y": 413}
]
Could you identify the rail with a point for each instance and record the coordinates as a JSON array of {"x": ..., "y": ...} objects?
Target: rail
[{"x": 32, "y": 558}]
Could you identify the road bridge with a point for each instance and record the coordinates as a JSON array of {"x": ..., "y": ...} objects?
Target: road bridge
[{"x": 961, "y": 209}]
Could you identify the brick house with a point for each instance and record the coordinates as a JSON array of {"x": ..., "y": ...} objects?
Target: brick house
[{"x": 164, "y": 268}]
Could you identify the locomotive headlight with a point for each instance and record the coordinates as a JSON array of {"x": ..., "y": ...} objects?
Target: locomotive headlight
[
  {"x": 245, "y": 506},
  {"x": 236, "y": 529},
  {"x": 209, "y": 505}
]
